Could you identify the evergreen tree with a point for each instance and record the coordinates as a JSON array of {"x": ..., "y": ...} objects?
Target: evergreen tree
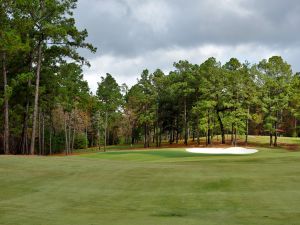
[{"x": 110, "y": 99}]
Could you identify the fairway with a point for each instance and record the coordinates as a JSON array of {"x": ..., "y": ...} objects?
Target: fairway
[
  {"x": 168, "y": 186},
  {"x": 123, "y": 112}
]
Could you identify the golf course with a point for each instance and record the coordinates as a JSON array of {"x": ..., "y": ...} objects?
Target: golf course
[
  {"x": 154, "y": 112},
  {"x": 154, "y": 186}
]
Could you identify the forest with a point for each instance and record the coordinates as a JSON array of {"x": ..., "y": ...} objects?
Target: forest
[{"x": 48, "y": 108}]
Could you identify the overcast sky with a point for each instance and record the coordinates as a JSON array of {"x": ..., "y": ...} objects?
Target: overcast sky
[{"x": 132, "y": 35}]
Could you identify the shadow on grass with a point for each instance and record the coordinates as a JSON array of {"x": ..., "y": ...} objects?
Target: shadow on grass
[
  {"x": 151, "y": 155},
  {"x": 159, "y": 153}
]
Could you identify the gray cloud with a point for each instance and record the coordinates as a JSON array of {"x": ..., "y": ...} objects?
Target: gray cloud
[
  {"x": 134, "y": 29},
  {"x": 129, "y": 27}
]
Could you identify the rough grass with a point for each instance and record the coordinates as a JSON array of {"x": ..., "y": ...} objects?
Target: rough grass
[
  {"x": 281, "y": 140},
  {"x": 166, "y": 186}
]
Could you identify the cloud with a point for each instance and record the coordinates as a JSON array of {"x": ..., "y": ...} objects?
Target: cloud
[
  {"x": 133, "y": 34},
  {"x": 155, "y": 14},
  {"x": 128, "y": 69}
]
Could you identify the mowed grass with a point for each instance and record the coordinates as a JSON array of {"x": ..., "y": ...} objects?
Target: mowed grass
[
  {"x": 165, "y": 186},
  {"x": 262, "y": 141},
  {"x": 281, "y": 140}
]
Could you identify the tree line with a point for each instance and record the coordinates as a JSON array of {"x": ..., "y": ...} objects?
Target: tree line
[
  {"x": 40, "y": 68},
  {"x": 211, "y": 100},
  {"x": 48, "y": 107}
]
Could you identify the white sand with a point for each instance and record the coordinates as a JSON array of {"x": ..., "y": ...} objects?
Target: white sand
[{"x": 225, "y": 151}]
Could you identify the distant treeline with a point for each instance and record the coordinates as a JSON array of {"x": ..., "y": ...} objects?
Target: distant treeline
[
  {"x": 48, "y": 107},
  {"x": 211, "y": 99}
]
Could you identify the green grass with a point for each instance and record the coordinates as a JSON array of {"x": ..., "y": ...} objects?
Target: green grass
[
  {"x": 252, "y": 140},
  {"x": 166, "y": 186},
  {"x": 266, "y": 140},
  {"x": 109, "y": 148}
]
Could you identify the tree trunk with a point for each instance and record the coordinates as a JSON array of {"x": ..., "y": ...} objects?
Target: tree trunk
[
  {"x": 43, "y": 134},
  {"x": 39, "y": 134},
  {"x": 194, "y": 134},
  {"x": 66, "y": 135},
  {"x": 6, "y": 116},
  {"x": 206, "y": 135},
  {"x": 209, "y": 136},
  {"x": 36, "y": 98},
  {"x": 160, "y": 136},
  {"x": 212, "y": 131},
  {"x": 275, "y": 138},
  {"x": 73, "y": 134},
  {"x": 86, "y": 138},
  {"x": 105, "y": 134},
  {"x": 208, "y": 129},
  {"x": 221, "y": 127},
  {"x": 145, "y": 135},
  {"x": 198, "y": 136},
  {"x": 132, "y": 135},
  {"x": 69, "y": 133},
  {"x": 177, "y": 130},
  {"x": 50, "y": 141},
  {"x": 24, "y": 138},
  {"x": 157, "y": 131},
  {"x": 154, "y": 135},
  {"x": 98, "y": 131},
  {"x": 170, "y": 136},
  {"x": 50, "y": 132},
  {"x": 173, "y": 134},
  {"x": 148, "y": 137},
  {"x": 235, "y": 136},
  {"x": 98, "y": 134},
  {"x": 157, "y": 135},
  {"x": 197, "y": 130},
  {"x": 92, "y": 141},
  {"x": 247, "y": 127},
  {"x": 232, "y": 133},
  {"x": 271, "y": 139},
  {"x": 295, "y": 127},
  {"x": 185, "y": 123},
  {"x": 73, "y": 139}
]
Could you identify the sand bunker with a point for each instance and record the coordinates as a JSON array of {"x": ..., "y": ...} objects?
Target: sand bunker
[{"x": 223, "y": 151}]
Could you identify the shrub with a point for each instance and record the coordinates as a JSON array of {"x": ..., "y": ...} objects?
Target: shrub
[{"x": 80, "y": 141}]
